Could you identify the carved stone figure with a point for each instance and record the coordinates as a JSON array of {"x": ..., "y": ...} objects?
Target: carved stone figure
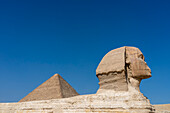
[{"x": 122, "y": 69}]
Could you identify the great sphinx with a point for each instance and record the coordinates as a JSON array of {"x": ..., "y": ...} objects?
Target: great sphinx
[
  {"x": 122, "y": 69},
  {"x": 120, "y": 73}
]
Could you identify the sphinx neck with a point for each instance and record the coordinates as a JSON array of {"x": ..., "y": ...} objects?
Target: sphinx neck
[
  {"x": 113, "y": 81},
  {"x": 118, "y": 82},
  {"x": 134, "y": 83}
]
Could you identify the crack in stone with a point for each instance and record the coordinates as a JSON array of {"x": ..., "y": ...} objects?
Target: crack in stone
[{"x": 126, "y": 65}]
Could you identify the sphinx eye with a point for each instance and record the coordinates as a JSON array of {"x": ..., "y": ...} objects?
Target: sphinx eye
[{"x": 141, "y": 56}]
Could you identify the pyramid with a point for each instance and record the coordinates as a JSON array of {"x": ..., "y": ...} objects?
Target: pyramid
[{"x": 54, "y": 88}]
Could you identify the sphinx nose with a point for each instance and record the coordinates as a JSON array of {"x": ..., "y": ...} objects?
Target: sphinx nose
[{"x": 148, "y": 69}]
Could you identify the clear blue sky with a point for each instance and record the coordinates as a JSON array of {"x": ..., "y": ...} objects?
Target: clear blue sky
[{"x": 39, "y": 38}]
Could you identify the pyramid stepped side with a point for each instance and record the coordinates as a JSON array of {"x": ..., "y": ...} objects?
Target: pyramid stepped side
[
  {"x": 50, "y": 89},
  {"x": 66, "y": 89}
]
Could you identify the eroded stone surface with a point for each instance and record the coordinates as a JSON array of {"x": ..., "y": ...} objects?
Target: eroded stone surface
[
  {"x": 98, "y": 103},
  {"x": 113, "y": 61},
  {"x": 122, "y": 69},
  {"x": 111, "y": 71}
]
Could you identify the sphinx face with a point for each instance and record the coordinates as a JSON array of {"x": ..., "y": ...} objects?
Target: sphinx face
[
  {"x": 138, "y": 66},
  {"x": 140, "y": 69}
]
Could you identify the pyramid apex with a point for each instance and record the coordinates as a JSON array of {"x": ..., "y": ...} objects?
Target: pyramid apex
[{"x": 56, "y": 74}]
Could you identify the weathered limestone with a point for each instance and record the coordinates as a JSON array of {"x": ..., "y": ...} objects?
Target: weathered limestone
[
  {"x": 54, "y": 88},
  {"x": 122, "y": 69},
  {"x": 111, "y": 71},
  {"x": 80, "y": 104},
  {"x": 120, "y": 73},
  {"x": 53, "y": 106},
  {"x": 113, "y": 61}
]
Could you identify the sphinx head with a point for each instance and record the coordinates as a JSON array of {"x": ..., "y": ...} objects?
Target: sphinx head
[{"x": 122, "y": 68}]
